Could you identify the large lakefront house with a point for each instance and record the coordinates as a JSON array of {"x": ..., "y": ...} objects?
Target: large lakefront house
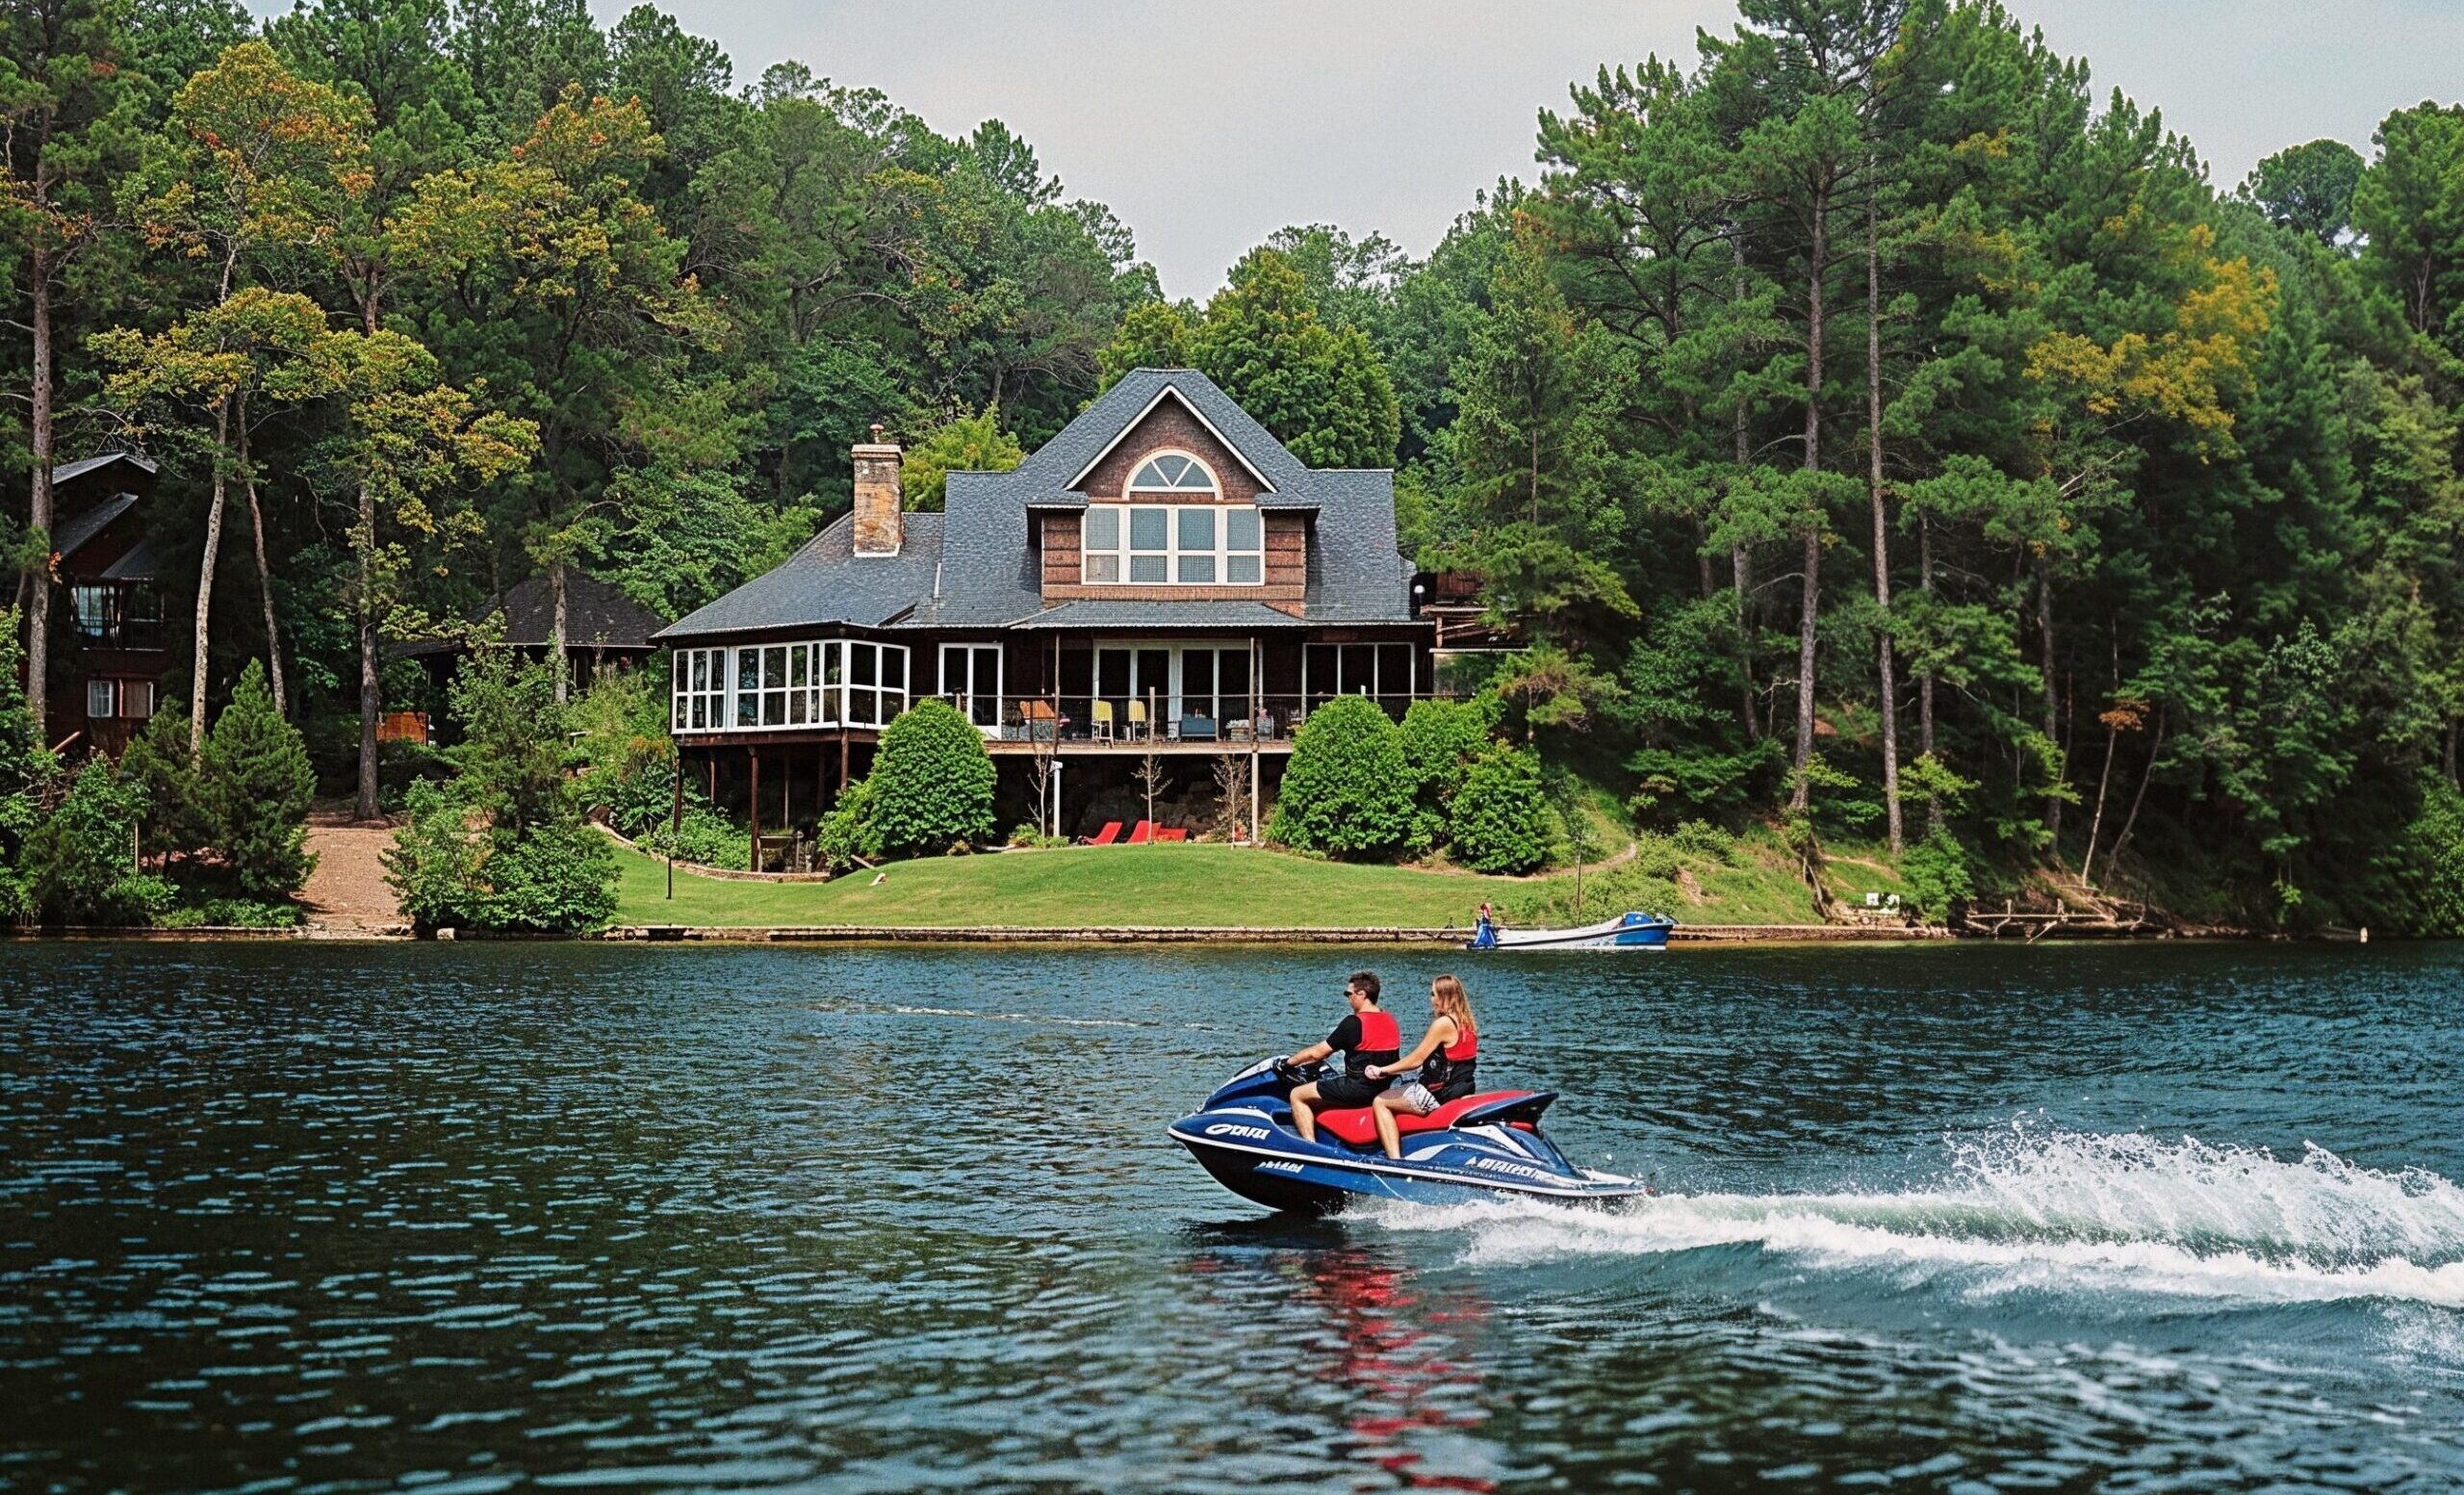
[{"x": 1161, "y": 578}]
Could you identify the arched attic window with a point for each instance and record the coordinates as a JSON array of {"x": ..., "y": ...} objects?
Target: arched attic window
[{"x": 1174, "y": 472}]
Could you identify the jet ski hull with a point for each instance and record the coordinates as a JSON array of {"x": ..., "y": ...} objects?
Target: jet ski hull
[{"x": 1248, "y": 1146}]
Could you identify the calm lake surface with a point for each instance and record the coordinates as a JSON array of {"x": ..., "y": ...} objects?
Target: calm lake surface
[{"x": 478, "y": 1217}]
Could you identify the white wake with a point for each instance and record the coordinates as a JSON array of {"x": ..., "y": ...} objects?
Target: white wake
[{"x": 2057, "y": 1212}]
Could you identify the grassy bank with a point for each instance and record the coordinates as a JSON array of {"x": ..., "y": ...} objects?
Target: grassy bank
[{"x": 1207, "y": 886}]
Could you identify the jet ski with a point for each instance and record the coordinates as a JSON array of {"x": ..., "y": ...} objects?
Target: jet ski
[{"x": 1480, "y": 1146}]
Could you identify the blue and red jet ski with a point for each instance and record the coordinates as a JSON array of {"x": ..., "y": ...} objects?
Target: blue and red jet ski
[{"x": 1484, "y": 1145}]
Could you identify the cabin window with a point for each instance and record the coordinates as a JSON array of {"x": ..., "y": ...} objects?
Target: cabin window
[
  {"x": 96, "y": 616},
  {"x": 971, "y": 681},
  {"x": 102, "y": 700},
  {"x": 822, "y": 683},
  {"x": 1175, "y": 545}
]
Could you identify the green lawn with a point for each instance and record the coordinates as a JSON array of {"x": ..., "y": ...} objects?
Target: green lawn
[{"x": 1188, "y": 885}]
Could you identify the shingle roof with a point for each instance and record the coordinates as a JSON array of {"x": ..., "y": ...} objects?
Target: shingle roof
[
  {"x": 67, "y": 471},
  {"x": 826, "y": 584},
  {"x": 598, "y": 615},
  {"x": 71, "y": 535},
  {"x": 142, "y": 562},
  {"x": 1104, "y": 613},
  {"x": 973, "y": 565}
]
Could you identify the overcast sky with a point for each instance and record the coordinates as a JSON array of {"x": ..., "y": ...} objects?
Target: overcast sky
[{"x": 1208, "y": 124}]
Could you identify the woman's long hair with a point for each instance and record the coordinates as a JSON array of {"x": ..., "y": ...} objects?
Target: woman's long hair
[{"x": 1454, "y": 1002}]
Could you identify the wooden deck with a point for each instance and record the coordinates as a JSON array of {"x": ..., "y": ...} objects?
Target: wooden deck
[{"x": 1125, "y": 747}]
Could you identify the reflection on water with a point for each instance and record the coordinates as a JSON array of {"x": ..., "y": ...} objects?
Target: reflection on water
[{"x": 481, "y": 1219}]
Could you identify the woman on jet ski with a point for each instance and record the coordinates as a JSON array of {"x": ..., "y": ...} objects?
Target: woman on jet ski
[
  {"x": 1368, "y": 1038},
  {"x": 1447, "y": 1055}
]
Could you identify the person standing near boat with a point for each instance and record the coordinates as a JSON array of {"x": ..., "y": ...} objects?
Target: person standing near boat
[
  {"x": 1446, "y": 1057},
  {"x": 1368, "y": 1039}
]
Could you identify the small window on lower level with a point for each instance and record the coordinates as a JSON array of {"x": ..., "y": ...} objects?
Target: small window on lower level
[{"x": 102, "y": 700}]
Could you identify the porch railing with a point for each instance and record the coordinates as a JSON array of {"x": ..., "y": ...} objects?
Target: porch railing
[{"x": 1233, "y": 719}]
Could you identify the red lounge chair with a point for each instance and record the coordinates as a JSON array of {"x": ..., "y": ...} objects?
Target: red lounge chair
[
  {"x": 1144, "y": 833},
  {"x": 1175, "y": 833},
  {"x": 1110, "y": 834}
]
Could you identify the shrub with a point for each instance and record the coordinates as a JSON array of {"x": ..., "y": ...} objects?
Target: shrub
[
  {"x": 1440, "y": 740},
  {"x": 83, "y": 860},
  {"x": 1501, "y": 816},
  {"x": 433, "y": 865},
  {"x": 257, "y": 785},
  {"x": 1345, "y": 791},
  {"x": 931, "y": 788},
  {"x": 26, "y": 766},
  {"x": 555, "y": 879},
  {"x": 846, "y": 832},
  {"x": 231, "y": 913},
  {"x": 1937, "y": 873},
  {"x": 701, "y": 834},
  {"x": 1656, "y": 856},
  {"x": 1702, "y": 839}
]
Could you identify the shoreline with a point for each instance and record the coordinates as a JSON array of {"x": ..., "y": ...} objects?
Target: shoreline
[{"x": 993, "y": 934}]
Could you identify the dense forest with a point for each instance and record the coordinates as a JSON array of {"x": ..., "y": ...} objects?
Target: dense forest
[{"x": 1872, "y": 429}]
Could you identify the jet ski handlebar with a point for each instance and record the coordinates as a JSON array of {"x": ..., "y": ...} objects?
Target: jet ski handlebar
[{"x": 1298, "y": 1073}]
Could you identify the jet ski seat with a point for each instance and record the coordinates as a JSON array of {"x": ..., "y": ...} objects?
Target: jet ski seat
[{"x": 1358, "y": 1126}]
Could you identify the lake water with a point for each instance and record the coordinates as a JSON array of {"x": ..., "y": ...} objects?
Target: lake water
[{"x": 477, "y": 1218}]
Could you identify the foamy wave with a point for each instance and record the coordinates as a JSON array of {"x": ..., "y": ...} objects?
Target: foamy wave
[{"x": 2053, "y": 1212}]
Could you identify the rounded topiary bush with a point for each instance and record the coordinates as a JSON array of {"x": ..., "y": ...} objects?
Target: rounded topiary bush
[
  {"x": 1499, "y": 819},
  {"x": 931, "y": 788},
  {"x": 1346, "y": 792}
]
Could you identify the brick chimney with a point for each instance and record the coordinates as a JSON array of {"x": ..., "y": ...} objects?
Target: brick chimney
[{"x": 879, "y": 527}]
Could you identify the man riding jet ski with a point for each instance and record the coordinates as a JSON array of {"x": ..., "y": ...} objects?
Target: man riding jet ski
[{"x": 1260, "y": 1139}]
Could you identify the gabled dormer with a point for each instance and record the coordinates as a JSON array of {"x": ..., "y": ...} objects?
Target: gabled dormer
[{"x": 1171, "y": 508}]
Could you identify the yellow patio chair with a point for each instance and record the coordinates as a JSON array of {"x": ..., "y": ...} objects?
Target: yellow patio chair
[
  {"x": 1103, "y": 725},
  {"x": 1137, "y": 719}
]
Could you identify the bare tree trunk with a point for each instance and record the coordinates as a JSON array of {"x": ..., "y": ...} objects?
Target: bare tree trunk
[
  {"x": 205, "y": 573},
  {"x": 372, "y": 695},
  {"x": 1740, "y": 570},
  {"x": 2052, "y": 708},
  {"x": 557, "y": 634},
  {"x": 2130, "y": 823},
  {"x": 1888, "y": 692},
  {"x": 39, "y": 511},
  {"x": 265, "y": 580},
  {"x": 1925, "y": 681},
  {"x": 1817, "y": 266},
  {"x": 2105, "y": 777}
]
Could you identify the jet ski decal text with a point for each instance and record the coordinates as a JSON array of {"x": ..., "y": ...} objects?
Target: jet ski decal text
[{"x": 1230, "y": 1130}]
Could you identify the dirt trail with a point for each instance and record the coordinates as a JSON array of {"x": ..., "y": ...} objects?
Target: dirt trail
[{"x": 346, "y": 896}]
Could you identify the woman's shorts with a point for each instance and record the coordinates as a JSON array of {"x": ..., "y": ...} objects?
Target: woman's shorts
[
  {"x": 1417, "y": 1096},
  {"x": 1345, "y": 1094}
]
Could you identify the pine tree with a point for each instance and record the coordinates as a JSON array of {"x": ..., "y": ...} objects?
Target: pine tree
[
  {"x": 257, "y": 784},
  {"x": 1321, "y": 392}
]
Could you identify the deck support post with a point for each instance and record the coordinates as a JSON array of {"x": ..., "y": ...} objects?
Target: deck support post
[
  {"x": 675, "y": 820},
  {"x": 753, "y": 809}
]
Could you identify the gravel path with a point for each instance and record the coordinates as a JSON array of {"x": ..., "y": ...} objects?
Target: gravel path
[{"x": 346, "y": 896}]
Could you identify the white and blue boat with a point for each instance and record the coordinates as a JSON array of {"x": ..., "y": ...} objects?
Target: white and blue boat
[{"x": 1626, "y": 932}]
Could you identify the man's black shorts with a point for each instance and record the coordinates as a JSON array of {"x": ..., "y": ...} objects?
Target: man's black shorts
[{"x": 1345, "y": 1094}]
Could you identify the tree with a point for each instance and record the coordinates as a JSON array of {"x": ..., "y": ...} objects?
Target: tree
[
  {"x": 1152, "y": 335},
  {"x": 257, "y": 785},
  {"x": 252, "y": 178},
  {"x": 931, "y": 788},
  {"x": 1346, "y": 790},
  {"x": 1320, "y": 391},
  {"x": 2308, "y": 188},
  {"x": 66, "y": 124},
  {"x": 2409, "y": 210},
  {"x": 968, "y": 443}
]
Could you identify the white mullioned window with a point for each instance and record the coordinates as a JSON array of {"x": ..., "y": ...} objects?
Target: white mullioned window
[
  {"x": 1152, "y": 541},
  {"x": 1173, "y": 545},
  {"x": 822, "y": 683}
]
